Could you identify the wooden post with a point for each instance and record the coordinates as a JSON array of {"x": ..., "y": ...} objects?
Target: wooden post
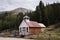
[{"x": 49, "y": 36}]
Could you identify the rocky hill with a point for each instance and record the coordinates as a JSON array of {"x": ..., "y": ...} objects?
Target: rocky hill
[
  {"x": 22, "y": 10},
  {"x": 17, "y": 10}
]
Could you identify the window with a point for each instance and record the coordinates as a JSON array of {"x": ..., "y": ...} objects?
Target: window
[{"x": 27, "y": 29}]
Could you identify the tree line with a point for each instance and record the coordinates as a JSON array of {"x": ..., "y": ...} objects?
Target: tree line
[
  {"x": 49, "y": 14},
  {"x": 10, "y": 21}
]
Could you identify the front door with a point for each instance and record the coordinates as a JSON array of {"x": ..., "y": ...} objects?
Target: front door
[{"x": 24, "y": 31}]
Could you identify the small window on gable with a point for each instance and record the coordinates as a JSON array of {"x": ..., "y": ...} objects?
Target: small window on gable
[{"x": 23, "y": 27}]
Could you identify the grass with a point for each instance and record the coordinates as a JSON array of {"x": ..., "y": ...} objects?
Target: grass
[
  {"x": 7, "y": 33},
  {"x": 48, "y": 34}
]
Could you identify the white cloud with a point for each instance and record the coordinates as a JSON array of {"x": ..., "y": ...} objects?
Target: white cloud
[
  {"x": 12, "y": 4},
  {"x": 29, "y": 4}
]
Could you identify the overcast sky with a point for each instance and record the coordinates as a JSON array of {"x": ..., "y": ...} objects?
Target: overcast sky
[{"x": 29, "y": 4}]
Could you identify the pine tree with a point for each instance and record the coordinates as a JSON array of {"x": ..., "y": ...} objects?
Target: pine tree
[{"x": 40, "y": 16}]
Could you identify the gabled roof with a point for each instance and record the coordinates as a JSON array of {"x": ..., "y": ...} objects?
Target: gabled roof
[{"x": 34, "y": 24}]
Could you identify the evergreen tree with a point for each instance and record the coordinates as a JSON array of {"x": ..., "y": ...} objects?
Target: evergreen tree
[{"x": 40, "y": 16}]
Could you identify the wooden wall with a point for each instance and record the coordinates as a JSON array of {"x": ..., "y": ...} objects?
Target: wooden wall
[{"x": 34, "y": 30}]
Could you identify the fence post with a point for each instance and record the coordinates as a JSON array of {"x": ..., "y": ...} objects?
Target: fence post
[{"x": 49, "y": 36}]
